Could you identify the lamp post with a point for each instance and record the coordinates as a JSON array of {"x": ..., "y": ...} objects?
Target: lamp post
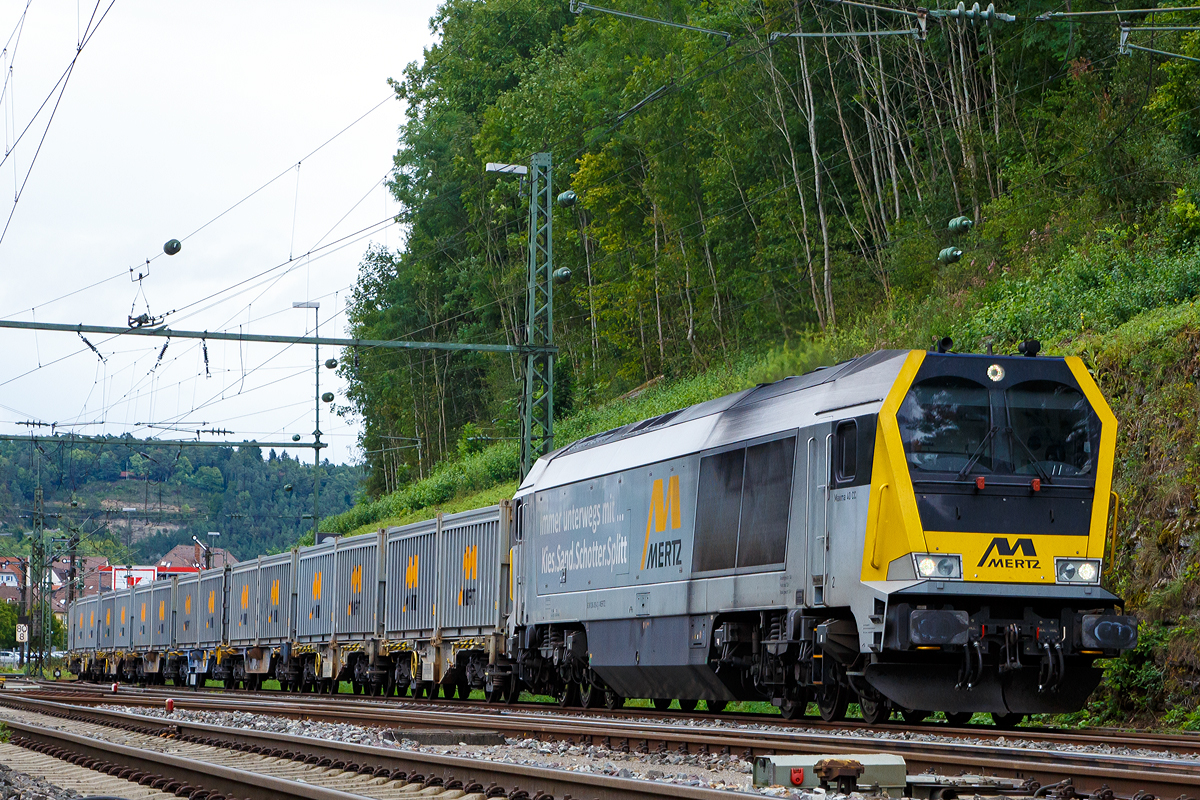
[{"x": 315, "y": 306}]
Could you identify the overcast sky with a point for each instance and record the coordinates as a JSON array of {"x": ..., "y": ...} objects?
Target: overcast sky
[{"x": 174, "y": 112}]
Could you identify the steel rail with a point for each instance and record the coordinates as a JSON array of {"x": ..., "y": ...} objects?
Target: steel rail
[
  {"x": 359, "y": 757},
  {"x": 1124, "y": 774},
  {"x": 228, "y": 781},
  {"x": 340, "y": 705}
]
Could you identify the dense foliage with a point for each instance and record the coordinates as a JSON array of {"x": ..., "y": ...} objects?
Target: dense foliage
[
  {"x": 174, "y": 493},
  {"x": 736, "y": 197}
]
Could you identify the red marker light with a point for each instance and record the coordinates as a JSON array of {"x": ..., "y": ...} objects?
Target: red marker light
[
  {"x": 170, "y": 704},
  {"x": 1036, "y": 484},
  {"x": 115, "y": 685},
  {"x": 797, "y": 776},
  {"x": 979, "y": 483}
]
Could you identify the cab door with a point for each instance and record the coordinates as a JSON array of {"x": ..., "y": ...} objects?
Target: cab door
[{"x": 816, "y": 473}]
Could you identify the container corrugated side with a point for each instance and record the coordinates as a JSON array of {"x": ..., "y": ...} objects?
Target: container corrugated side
[
  {"x": 473, "y": 545},
  {"x": 275, "y": 593},
  {"x": 162, "y": 606},
  {"x": 91, "y": 629},
  {"x": 211, "y": 616},
  {"x": 315, "y": 578},
  {"x": 142, "y": 613},
  {"x": 107, "y": 629},
  {"x": 356, "y": 586},
  {"x": 411, "y": 569},
  {"x": 187, "y": 608},
  {"x": 123, "y": 619},
  {"x": 243, "y": 603}
]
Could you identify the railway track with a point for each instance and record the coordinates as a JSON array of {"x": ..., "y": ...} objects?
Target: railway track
[
  {"x": 222, "y": 763},
  {"x": 337, "y": 708},
  {"x": 1047, "y": 763}
]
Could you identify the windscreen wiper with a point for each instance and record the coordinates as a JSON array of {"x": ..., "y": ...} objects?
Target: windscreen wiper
[
  {"x": 975, "y": 456},
  {"x": 1033, "y": 460}
]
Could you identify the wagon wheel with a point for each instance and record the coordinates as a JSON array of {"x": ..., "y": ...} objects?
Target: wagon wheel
[
  {"x": 512, "y": 692},
  {"x": 832, "y": 702},
  {"x": 958, "y": 718},
  {"x": 795, "y": 705},
  {"x": 1007, "y": 722},
  {"x": 612, "y": 700},
  {"x": 494, "y": 694},
  {"x": 662, "y": 703},
  {"x": 568, "y": 694},
  {"x": 590, "y": 695},
  {"x": 874, "y": 712},
  {"x": 356, "y": 687},
  {"x": 463, "y": 690},
  {"x": 688, "y": 705},
  {"x": 914, "y": 717}
]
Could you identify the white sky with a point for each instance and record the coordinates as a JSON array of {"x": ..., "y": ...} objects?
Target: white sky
[{"x": 174, "y": 112}]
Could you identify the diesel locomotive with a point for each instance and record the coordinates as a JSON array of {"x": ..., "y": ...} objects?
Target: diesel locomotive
[{"x": 909, "y": 531}]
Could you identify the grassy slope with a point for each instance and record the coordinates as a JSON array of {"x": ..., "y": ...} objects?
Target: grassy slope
[{"x": 1128, "y": 312}]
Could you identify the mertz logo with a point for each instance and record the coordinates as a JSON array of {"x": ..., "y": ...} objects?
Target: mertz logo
[
  {"x": 664, "y": 506},
  {"x": 1004, "y": 551}
]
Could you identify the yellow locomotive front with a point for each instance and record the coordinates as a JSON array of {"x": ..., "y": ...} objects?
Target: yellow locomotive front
[{"x": 991, "y": 501}]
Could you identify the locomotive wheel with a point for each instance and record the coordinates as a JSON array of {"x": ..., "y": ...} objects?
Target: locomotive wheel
[
  {"x": 612, "y": 700},
  {"x": 512, "y": 692},
  {"x": 568, "y": 694},
  {"x": 662, "y": 703},
  {"x": 688, "y": 705},
  {"x": 590, "y": 695},
  {"x": 494, "y": 694},
  {"x": 463, "y": 690},
  {"x": 874, "y": 712},
  {"x": 356, "y": 687},
  {"x": 959, "y": 718},
  {"x": 832, "y": 702},
  {"x": 914, "y": 717},
  {"x": 1007, "y": 722},
  {"x": 795, "y": 707}
]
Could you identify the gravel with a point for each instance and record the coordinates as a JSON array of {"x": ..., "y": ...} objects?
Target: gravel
[
  {"x": 712, "y": 771},
  {"x": 17, "y": 785}
]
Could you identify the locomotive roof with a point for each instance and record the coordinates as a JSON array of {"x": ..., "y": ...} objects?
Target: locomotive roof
[{"x": 854, "y": 384}]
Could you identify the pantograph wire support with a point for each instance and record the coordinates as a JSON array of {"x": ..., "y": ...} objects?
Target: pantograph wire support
[
  {"x": 1126, "y": 48},
  {"x": 577, "y": 6},
  {"x": 93, "y": 347}
]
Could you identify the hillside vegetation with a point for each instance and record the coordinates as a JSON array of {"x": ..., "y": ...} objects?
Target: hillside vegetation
[{"x": 751, "y": 211}]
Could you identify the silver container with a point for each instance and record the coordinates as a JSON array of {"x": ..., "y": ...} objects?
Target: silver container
[
  {"x": 162, "y": 605},
  {"x": 84, "y": 623},
  {"x": 210, "y": 620},
  {"x": 123, "y": 619},
  {"x": 472, "y": 547},
  {"x": 187, "y": 610},
  {"x": 356, "y": 608},
  {"x": 105, "y": 622},
  {"x": 411, "y": 580},
  {"x": 243, "y": 603},
  {"x": 315, "y": 592},
  {"x": 142, "y": 614},
  {"x": 276, "y": 598}
]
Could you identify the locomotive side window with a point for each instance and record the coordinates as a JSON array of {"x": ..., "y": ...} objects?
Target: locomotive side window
[
  {"x": 718, "y": 509},
  {"x": 766, "y": 498},
  {"x": 846, "y": 451}
]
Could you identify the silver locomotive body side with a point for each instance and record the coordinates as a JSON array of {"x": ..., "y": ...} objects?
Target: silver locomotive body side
[{"x": 650, "y": 539}]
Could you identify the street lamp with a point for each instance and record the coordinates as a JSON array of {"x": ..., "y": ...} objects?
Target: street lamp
[{"x": 315, "y": 306}]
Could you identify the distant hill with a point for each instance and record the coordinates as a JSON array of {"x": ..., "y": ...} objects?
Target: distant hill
[{"x": 134, "y": 503}]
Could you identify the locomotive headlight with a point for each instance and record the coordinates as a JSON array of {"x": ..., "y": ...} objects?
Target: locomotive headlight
[
  {"x": 1077, "y": 570},
  {"x": 938, "y": 566}
]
